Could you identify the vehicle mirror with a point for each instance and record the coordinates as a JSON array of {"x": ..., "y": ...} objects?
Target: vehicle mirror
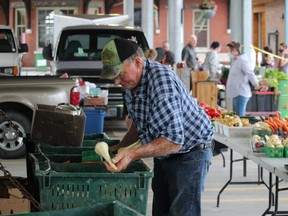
[
  {"x": 47, "y": 52},
  {"x": 23, "y": 48}
]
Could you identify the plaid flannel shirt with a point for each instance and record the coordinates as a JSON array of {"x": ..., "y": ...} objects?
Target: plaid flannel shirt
[{"x": 162, "y": 107}]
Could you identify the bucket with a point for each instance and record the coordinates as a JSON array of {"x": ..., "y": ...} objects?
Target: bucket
[{"x": 94, "y": 121}]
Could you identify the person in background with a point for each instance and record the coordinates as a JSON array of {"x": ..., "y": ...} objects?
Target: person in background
[
  {"x": 160, "y": 55},
  {"x": 211, "y": 62},
  {"x": 283, "y": 63},
  {"x": 240, "y": 74},
  {"x": 169, "y": 55},
  {"x": 189, "y": 56},
  {"x": 151, "y": 54},
  {"x": 267, "y": 60},
  {"x": 171, "y": 126}
]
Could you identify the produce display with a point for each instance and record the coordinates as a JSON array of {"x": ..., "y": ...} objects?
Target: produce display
[
  {"x": 234, "y": 121},
  {"x": 276, "y": 123},
  {"x": 270, "y": 136},
  {"x": 211, "y": 112}
]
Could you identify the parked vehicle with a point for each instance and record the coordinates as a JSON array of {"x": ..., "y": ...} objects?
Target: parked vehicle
[
  {"x": 10, "y": 52},
  {"x": 18, "y": 99},
  {"x": 77, "y": 52}
]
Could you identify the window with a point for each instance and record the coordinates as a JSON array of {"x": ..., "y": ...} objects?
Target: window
[
  {"x": 93, "y": 11},
  {"x": 87, "y": 44},
  {"x": 19, "y": 23},
  {"x": 7, "y": 41},
  {"x": 201, "y": 29},
  {"x": 46, "y": 22}
]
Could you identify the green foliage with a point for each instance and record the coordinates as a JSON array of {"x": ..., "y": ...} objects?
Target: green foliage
[
  {"x": 225, "y": 72},
  {"x": 272, "y": 77},
  {"x": 269, "y": 73}
]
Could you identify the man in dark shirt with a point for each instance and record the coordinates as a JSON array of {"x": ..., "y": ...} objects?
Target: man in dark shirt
[
  {"x": 189, "y": 56},
  {"x": 169, "y": 55}
]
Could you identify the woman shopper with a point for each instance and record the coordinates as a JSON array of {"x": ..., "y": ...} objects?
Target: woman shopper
[
  {"x": 211, "y": 62},
  {"x": 241, "y": 73}
]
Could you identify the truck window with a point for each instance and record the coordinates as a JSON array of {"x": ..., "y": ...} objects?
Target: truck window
[
  {"x": 87, "y": 45},
  {"x": 7, "y": 43}
]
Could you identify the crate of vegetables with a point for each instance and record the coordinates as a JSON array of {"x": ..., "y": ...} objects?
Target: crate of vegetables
[
  {"x": 274, "y": 147},
  {"x": 65, "y": 182},
  {"x": 237, "y": 131}
]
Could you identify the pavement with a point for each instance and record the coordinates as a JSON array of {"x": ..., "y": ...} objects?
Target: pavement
[{"x": 236, "y": 199}]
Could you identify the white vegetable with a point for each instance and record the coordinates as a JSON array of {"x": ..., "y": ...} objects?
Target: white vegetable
[
  {"x": 132, "y": 146},
  {"x": 102, "y": 149},
  {"x": 256, "y": 138}
]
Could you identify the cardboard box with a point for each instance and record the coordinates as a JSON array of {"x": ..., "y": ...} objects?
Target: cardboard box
[
  {"x": 199, "y": 75},
  {"x": 57, "y": 127},
  {"x": 14, "y": 205},
  {"x": 11, "y": 198}
]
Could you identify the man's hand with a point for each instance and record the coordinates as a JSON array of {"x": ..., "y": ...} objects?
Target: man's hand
[{"x": 121, "y": 160}]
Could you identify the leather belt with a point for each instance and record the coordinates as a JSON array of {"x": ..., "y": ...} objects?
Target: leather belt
[
  {"x": 195, "y": 148},
  {"x": 202, "y": 146}
]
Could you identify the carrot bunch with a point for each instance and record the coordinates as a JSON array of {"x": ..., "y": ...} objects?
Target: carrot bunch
[{"x": 276, "y": 122}]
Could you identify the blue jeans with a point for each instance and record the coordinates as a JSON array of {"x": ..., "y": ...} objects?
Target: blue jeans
[
  {"x": 178, "y": 183},
  {"x": 239, "y": 105}
]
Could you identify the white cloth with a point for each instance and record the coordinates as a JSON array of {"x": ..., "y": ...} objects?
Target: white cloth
[
  {"x": 211, "y": 63},
  {"x": 239, "y": 76}
]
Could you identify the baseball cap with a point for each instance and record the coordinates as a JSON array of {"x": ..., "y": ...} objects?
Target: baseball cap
[{"x": 114, "y": 54}]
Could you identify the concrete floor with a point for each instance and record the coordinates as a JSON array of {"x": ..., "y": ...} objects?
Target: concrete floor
[{"x": 236, "y": 200}]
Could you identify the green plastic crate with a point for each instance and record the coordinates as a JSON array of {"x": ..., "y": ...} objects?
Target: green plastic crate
[
  {"x": 92, "y": 143},
  {"x": 283, "y": 86},
  {"x": 274, "y": 152},
  {"x": 69, "y": 185},
  {"x": 104, "y": 209},
  {"x": 90, "y": 156},
  {"x": 71, "y": 153},
  {"x": 95, "y": 136},
  {"x": 284, "y": 113}
]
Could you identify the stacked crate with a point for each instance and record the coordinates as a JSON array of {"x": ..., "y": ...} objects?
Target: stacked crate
[
  {"x": 65, "y": 179},
  {"x": 283, "y": 100}
]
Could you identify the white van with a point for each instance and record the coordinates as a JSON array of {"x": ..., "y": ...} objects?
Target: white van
[{"x": 10, "y": 52}]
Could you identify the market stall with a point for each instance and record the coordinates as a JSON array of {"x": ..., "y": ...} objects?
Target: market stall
[{"x": 272, "y": 159}]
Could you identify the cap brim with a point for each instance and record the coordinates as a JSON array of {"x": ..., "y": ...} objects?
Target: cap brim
[{"x": 111, "y": 72}]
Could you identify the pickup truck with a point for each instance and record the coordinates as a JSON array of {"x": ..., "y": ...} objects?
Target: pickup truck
[
  {"x": 18, "y": 99},
  {"x": 77, "y": 52},
  {"x": 10, "y": 52}
]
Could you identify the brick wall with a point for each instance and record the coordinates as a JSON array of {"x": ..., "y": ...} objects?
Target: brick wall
[{"x": 274, "y": 21}]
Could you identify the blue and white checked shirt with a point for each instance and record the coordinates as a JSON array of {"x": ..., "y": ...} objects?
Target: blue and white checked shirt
[{"x": 162, "y": 107}]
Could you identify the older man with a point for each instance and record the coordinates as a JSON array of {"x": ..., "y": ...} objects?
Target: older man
[
  {"x": 169, "y": 123},
  {"x": 189, "y": 56}
]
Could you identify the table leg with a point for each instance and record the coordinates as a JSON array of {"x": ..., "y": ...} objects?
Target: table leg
[
  {"x": 269, "y": 195},
  {"x": 276, "y": 195},
  {"x": 231, "y": 174},
  {"x": 244, "y": 166}
]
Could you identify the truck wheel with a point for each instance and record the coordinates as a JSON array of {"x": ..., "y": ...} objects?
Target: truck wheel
[{"x": 11, "y": 144}]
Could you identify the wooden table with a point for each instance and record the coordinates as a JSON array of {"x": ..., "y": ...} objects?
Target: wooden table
[{"x": 275, "y": 167}]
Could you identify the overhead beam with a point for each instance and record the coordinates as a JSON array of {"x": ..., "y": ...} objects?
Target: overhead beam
[
  {"x": 28, "y": 12},
  {"x": 85, "y": 6}
]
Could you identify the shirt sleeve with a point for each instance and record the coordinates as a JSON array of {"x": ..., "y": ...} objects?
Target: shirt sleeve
[
  {"x": 184, "y": 54},
  {"x": 246, "y": 68},
  {"x": 213, "y": 63}
]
